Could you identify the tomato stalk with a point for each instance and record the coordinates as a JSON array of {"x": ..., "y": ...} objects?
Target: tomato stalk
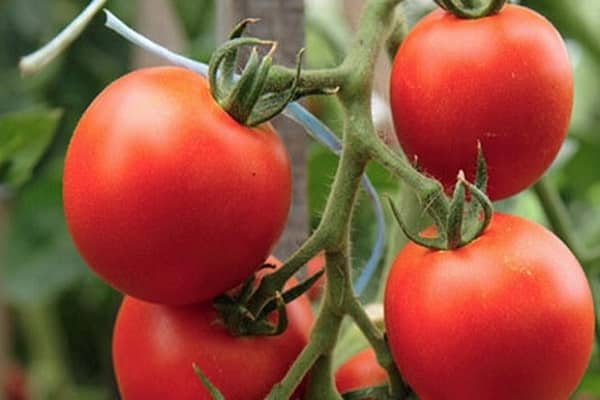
[
  {"x": 359, "y": 141},
  {"x": 560, "y": 221}
]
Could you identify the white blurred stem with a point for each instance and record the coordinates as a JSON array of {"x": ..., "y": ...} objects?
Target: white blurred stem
[{"x": 37, "y": 60}]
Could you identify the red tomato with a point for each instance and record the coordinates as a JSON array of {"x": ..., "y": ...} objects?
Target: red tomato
[
  {"x": 509, "y": 316},
  {"x": 166, "y": 196},
  {"x": 15, "y": 384},
  {"x": 154, "y": 347},
  {"x": 503, "y": 80},
  {"x": 359, "y": 372}
]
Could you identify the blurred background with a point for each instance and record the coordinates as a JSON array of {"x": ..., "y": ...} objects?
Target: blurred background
[{"x": 56, "y": 317}]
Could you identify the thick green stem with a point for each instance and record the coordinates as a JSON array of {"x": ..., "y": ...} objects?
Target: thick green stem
[
  {"x": 377, "y": 340},
  {"x": 428, "y": 191},
  {"x": 333, "y": 235},
  {"x": 360, "y": 145},
  {"x": 395, "y": 39},
  {"x": 321, "y": 384},
  {"x": 323, "y": 337},
  {"x": 311, "y": 80}
]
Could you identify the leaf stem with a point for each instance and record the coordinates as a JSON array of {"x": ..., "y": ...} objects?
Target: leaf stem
[{"x": 560, "y": 221}]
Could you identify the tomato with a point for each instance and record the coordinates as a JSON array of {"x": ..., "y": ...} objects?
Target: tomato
[
  {"x": 361, "y": 371},
  {"x": 166, "y": 196},
  {"x": 508, "y": 316},
  {"x": 154, "y": 347},
  {"x": 14, "y": 384},
  {"x": 503, "y": 80}
]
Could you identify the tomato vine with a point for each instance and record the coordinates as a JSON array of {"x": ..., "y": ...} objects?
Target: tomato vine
[{"x": 351, "y": 81}]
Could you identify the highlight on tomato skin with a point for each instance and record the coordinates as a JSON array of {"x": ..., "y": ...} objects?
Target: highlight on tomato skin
[
  {"x": 166, "y": 196},
  {"x": 509, "y": 315},
  {"x": 360, "y": 371},
  {"x": 504, "y": 81}
]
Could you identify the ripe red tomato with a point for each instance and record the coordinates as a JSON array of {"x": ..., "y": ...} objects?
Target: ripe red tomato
[
  {"x": 509, "y": 316},
  {"x": 166, "y": 196},
  {"x": 154, "y": 347},
  {"x": 503, "y": 80},
  {"x": 14, "y": 384},
  {"x": 360, "y": 371}
]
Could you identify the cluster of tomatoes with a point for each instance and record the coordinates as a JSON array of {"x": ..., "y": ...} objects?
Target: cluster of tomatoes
[
  {"x": 173, "y": 202},
  {"x": 509, "y": 315}
]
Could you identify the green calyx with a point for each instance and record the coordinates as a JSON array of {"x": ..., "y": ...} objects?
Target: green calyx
[
  {"x": 235, "y": 310},
  {"x": 471, "y": 9},
  {"x": 465, "y": 220},
  {"x": 245, "y": 98}
]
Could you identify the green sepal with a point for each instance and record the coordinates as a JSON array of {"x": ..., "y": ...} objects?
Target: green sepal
[
  {"x": 226, "y": 78},
  {"x": 293, "y": 293},
  {"x": 442, "y": 4},
  {"x": 215, "y": 393},
  {"x": 437, "y": 243},
  {"x": 240, "y": 102},
  {"x": 487, "y": 207},
  {"x": 222, "y": 81},
  {"x": 271, "y": 104},
  {"x": 481, "y": 176},
  {"x": 265, "y": 327},
  {"x": 456, "y": 213}
]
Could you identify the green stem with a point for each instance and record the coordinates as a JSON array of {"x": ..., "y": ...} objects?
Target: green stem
[
  {"x": 360, "y": 145},
  {"x": 396, "y": 37},
  {"x": 322, "y": 341},
  {"x": 560, "y": 221},
  {"x": 311, "y": 80},
  {"x": 50, "y": 375},
  {"x": 339, "y": 284},
  {"x": 321, "y": 384},
  {"x": 428, "y": 191},
  {"x": 276, "y": 280},
  {"x": 376, "y": 338}
]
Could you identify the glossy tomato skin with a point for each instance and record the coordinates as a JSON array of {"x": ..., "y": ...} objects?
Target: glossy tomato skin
[
  {"x": 509, "y": 316},
  {"x": 503, "y": 80},
  {"x": 166, "y": 196},
  {"x": 361, "y": 371},
  {"x": 154, "y": 347}
]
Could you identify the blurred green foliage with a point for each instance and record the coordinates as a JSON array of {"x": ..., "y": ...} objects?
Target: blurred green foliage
[{"x": 62, "y": 315}]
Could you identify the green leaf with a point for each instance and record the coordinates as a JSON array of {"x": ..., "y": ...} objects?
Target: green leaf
[
  {"x": 24, "y": 137},
  {"x": 40, "y": 260}
]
